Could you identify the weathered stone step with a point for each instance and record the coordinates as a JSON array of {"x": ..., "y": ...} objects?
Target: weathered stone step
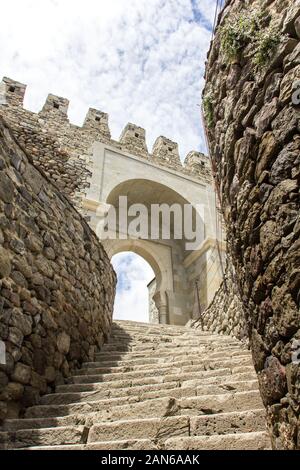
[
  {"x": 151, "y": 335},
  {"x": 157, "y": 360},
  {"x": 80, "y": 413},
  {"x": 117, "y": 387},
  {"x": 147, "y": 392},
  {"x": 242, "y": 441},
  {"x": 13, "y": 425},
  {"x": 141, "y": 444},
  {"x": 154, "y": 338},
  {"x": 142, "y": 379},
  {"x": 228, "y": 423},
  {"x": 116, "y": 409},
  {"x": 148, "y": 328},
  {"x": 48, "y": 437},
  {"x": 162, "y": 429},
  {"x": 129, "y": 366},
  {"x": 126, "y": 325},
  {"x": 178, "y": 352},
  {"x": 163, "y": 346},
  {"x": 154, "y": 429},
  {"x": 168, "y": 373},
  {"x": 102, "y": 393},
  {"x": 184, "y": 366}
]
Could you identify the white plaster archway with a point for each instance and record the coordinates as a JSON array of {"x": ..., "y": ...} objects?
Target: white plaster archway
[{"x": 117, "y": 173}]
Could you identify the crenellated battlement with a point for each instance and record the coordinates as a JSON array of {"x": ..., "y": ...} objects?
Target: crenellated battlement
[
  {"x": 56, "y": 105},
  {"x": 12, "y": 92},
  {"x": 133, "y": 139},
  {"x": 64, "y": 148},
  {"x": 97, "y": 121}
]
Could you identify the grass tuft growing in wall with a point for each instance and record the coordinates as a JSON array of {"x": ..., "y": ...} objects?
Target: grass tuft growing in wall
[
  {"x": 265, "y": 44},
  {"x": 249, "y": 28},
  {"x": 236, "y": 34}
]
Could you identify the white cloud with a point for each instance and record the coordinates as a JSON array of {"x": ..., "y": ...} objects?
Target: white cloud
[
  {"x": 134, "y": 273},
  {"x": 139, "y": 60}
]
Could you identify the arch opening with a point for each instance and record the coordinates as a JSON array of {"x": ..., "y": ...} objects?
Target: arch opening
[{"x": 133, "y": 298}]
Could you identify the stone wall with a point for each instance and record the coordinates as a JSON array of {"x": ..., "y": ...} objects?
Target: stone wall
[
  {"x": 56, "y": 283},
  {"x": 225, "y": 315},
  {"x": 253, "y": 128},
  {"x": 153, "y": 310},
  {"x": 63, "y": 150}
]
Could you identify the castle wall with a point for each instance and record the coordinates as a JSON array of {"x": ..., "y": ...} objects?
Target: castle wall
[
  {"x": 64, "y": 151},
  {"x": 153, "y": 311},
  {"x": 225, "y": 314},
  {"x": 253, "y": 128},
  {"x": 56, "y": 283}
]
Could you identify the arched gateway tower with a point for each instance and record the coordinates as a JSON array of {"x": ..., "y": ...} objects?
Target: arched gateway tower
[{"x": 94, "y": 171}]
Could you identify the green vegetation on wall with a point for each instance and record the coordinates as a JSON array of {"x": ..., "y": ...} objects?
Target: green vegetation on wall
[{"x": 245, "y": 29}]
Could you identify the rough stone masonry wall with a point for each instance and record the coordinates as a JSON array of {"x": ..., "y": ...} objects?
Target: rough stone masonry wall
[
  {"x": 225, "y": 315},
  {"x": 56, "y": 283},
  {"x": 253, "y": 127},
  {"x": 64, "y": 151}
]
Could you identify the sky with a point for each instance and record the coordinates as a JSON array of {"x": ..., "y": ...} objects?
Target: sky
[
  {"x": 132, "y": 299},
  {"x": 141, "y": 61}
]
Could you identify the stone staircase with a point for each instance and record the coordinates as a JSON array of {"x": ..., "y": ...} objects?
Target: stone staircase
[{"x": 151, "y": 387}]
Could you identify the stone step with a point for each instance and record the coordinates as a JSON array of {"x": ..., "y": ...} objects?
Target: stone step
[
  {"x": 154, "y": 429},
  {"x": 156, "y": 408},
  {"x": 116, "y": 409},
  {"x": 148, "y": 392},
  {"x": 165, "y": 374},
  {"x": 13, "y": 425},
  {"x": 103, "y": 368},
  {"x": 141, "y": 444},
  {"x": 116, "y": 387},
  {"x": 162, "y": 429},
  {"x": 47, "y": 437},
  {"x": 224, "y": 382},
  {"x": 144, "y": 380},
  {"x": 157, "y": 360},
  {"x": 184, "y": 365},
  {"x": 229, "y": 423},
  {"x": 63, "y": 397},
  {"x": 164, "y": 347},
  {"x": 151, "y": 334},
  {"x": 126, "y": 325},
  {"x": 158, "y": 329},
  {"x": 242, "y": 441},
  {"x": 167, "y": 338},
  {"x": 178, "y": 352}
]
